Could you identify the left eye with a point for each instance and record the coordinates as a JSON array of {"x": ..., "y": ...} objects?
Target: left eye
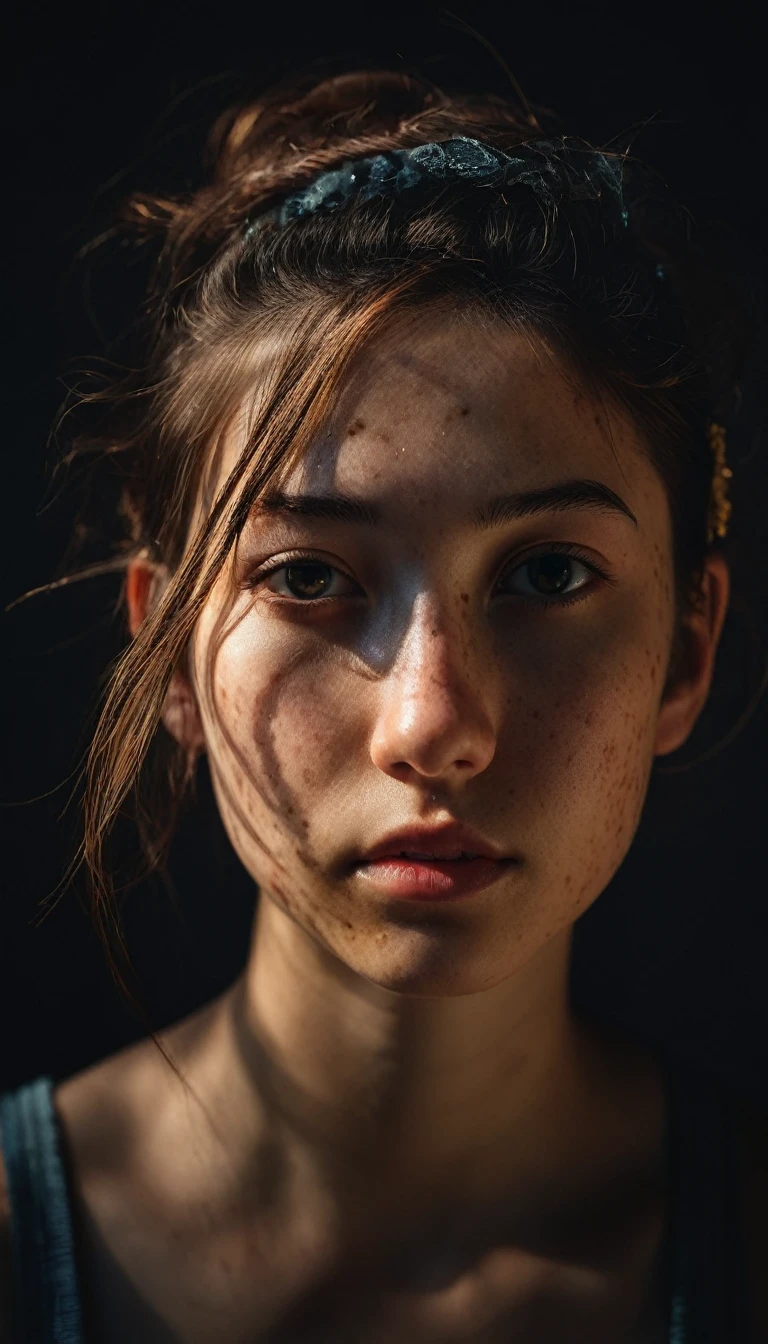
[{"x": 549, "y": 576}]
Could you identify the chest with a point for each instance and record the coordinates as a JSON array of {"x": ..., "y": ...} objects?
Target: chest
[{"x": 248, "y": 1291}]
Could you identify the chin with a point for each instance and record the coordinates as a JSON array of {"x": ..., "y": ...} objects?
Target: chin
[{"x": 417, "y": 963}]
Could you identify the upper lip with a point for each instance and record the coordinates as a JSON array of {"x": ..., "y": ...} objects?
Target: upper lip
[{"x": 443, "y": 841}]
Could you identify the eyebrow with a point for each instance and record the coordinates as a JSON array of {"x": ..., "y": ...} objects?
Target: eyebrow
[{"x": 560, "y": 497}]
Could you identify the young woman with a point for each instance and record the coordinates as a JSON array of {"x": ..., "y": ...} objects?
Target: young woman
[{"x": 422, "y": 492}]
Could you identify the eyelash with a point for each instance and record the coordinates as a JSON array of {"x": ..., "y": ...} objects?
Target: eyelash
[{"x": 556, "y": 548}]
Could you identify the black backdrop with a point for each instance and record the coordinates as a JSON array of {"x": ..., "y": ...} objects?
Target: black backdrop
[{"x": 101, "y": 102}]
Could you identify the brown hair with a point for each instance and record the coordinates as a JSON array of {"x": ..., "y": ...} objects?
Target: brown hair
[{"x": 651, "y": 345}]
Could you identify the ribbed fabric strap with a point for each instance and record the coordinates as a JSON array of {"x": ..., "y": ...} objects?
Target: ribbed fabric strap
[
  {"x": 45, "y": 1279},
  {"x": 709, "y": 1302}
]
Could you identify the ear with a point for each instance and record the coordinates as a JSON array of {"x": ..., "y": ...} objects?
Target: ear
[
  {"x": 145, "y": 580},
  {"x": 684, "y": 699}
]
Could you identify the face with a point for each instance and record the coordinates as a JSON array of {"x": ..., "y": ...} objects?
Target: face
[{"x": 423, "y": 667}]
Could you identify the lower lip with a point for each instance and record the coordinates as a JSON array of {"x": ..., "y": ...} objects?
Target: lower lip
[{"x": 420, "y": 880}]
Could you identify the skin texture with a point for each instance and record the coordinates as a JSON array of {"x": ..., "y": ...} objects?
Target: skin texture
[{"x": 403, "y": 1067}]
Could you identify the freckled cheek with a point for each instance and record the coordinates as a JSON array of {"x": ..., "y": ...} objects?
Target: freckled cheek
[
  {"x": 291, "y": 719},
  {"x": 588, "y": 719},
  {"x": 582, "y": 797}
]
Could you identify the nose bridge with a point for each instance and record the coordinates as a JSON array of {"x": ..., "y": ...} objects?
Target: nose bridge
[
  {"x": 435, "y": 718},
  {"x": 436, "y": 714},
  {"x": 438, "y": 646},
  {"x": 442, "y": 673}
]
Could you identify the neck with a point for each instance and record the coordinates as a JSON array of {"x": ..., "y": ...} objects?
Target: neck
[
  {"x": 382, "y": 1077},
  {"x": 403, "y": 1104}
]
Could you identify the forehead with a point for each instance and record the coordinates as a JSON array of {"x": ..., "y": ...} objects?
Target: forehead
[{"x": 448, "y": 405}]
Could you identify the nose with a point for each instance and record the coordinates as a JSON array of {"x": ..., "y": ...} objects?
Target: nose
[{"x": 435, "y": 718}]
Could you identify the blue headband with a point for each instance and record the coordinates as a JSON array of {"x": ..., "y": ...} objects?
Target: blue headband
[{"x": 553, "y": 170}]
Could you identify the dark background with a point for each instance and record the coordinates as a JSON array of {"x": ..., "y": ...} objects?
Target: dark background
[{"x": 101, "y": 102}]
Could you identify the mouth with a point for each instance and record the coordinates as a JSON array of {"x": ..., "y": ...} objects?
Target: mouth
[
  {"x": 430, "y": 858},
  {"x": 418, "y": 876}
]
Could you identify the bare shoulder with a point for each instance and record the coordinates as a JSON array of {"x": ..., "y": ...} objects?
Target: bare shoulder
[
  {"x": 6, "y": 1269},
  {"x": 103, "y": 1112},
  {"x": 754, "y": 1135}
]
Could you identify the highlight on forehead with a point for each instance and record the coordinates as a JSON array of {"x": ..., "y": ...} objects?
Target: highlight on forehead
[{"x": 281, "y": 500}]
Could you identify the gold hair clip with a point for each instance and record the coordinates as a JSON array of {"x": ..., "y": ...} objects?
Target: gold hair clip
[{"x": 719, "y": 504}]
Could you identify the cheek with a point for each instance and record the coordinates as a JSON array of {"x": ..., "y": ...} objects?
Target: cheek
[
  {"x": 585, "y": 731},
  {"x": 280, "y": 727}
]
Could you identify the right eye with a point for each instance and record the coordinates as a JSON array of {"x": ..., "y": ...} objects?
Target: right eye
[{"x": 304, "y": 579}]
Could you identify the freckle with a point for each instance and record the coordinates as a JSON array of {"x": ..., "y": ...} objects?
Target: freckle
[{"x": 356, "y": 426}]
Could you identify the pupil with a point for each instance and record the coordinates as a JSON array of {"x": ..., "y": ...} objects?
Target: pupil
[
  {"x": 307, "y": 588},
  {"x": 550, "y": 571}
]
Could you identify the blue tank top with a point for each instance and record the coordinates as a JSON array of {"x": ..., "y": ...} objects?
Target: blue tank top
[{"x": 703, "y": 1258}]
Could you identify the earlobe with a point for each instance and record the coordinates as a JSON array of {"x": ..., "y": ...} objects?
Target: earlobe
[
  {"x": 679, "y": 711},
  {"x": 180, "y": 716},
  {"x": 686, "y": 696}
]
